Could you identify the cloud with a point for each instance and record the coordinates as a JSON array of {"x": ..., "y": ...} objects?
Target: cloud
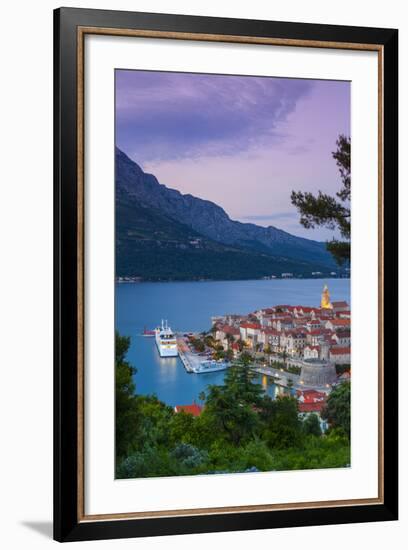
[
  {"x": 163, "y": 116},
  {"x": 242, "y": 142}
]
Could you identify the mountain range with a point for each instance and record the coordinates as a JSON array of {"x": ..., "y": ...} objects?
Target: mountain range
[{"x": 162, "y": 234}]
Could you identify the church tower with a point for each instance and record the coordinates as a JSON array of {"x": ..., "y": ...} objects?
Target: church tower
[{"x": 325, "y": 301}]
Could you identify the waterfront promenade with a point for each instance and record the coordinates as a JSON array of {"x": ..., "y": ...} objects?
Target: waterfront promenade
[
  {"x": 280, "y": 378},
  {"x": 190, "y": 360}
]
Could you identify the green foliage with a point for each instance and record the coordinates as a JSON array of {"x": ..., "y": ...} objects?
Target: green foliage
[
  {"x": 283, "y": 429},
  {"x": 340, "y": 250},
  {"x": 241, "y": 344},
  {"x": 278, "y": 364},
  {"x": 240, "y": 429},
  {"x": 292, "y": 369},
  {"x": 227, "y": 458},
  {"x": 189, "y": 456},
  {"x": 197, "y": 344},
  {"x": 340, "y": 369},
  {"x": 154, "y": 420},
  {"x": 245, "y": 359},
  {"x": 127, "y": 415},
  {"x": 331, "y": 212},
  {"x": 209, "y": 341},
  {"x": 331, "y": 451},
  {"x": 150, "y": 462},
  {"x": 337, "y": 410},
  {"x": 311, "y": 425},
  {"x": 231, "y": 406},
  {"x": 181, "y": 428},
  {"x": 342, "y": 156}
]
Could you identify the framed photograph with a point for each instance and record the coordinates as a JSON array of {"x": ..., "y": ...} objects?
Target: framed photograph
[{"x": 225, "y": 274}]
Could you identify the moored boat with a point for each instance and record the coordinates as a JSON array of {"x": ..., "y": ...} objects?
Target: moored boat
[
  {"x": 166, "y": 341},
  {"x": 210, "y": 366}
]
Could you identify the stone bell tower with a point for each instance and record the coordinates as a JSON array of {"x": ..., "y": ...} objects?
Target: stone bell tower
[{"x": 325, "y": 301}]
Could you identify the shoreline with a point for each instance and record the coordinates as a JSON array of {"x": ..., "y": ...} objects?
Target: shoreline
[{"x": 117, "y": 282}]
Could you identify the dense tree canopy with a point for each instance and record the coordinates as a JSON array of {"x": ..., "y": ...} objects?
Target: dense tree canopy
[
  {"x": 328, "y": 211},
  {"x": 311, "y": 425},
  {"x": 240, "y": 429},
  {"x": 127, "y": 418},
  {"x": 337, "y": 410}
]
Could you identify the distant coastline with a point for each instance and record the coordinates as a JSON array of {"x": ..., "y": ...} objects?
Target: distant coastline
[{"x": 138, "y": 280}]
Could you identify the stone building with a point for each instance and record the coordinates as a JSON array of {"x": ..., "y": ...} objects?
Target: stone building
[{"x": 318, "y": 372}]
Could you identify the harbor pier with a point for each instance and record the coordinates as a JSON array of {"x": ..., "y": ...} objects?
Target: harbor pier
[{"x": 196, "y": 363}]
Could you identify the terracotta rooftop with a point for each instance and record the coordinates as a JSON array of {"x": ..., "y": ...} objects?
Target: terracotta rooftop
[
  {"x": 343, "y": 333},
  {"x": 307, "y": 309},
  {"x": 227, "y": 329},
  {"x": 194, "y": 409},
  {"x": 340, "y": 351},
  {"x": 250, "y": 325},
  {"x": 271, "y": 331},
  {"x": 311, "y": 394},
  {"x": 310, "y": 407},
  {"x": 340, "y": 322}
]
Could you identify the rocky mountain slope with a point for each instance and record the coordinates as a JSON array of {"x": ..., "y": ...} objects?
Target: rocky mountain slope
[{"x": 152, "y": 218}]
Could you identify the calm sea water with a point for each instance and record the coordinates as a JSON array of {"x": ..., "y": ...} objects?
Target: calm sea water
[{"x": 188, "y": 306}]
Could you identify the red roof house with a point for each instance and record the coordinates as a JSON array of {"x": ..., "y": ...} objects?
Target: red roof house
[
  {"x": 311, "y": 407},
  {"x": 340, "y": 322},
  {"x": 250, "y": 325},
  {"x": 194, "y": 409},
  {"x": 338, "y": 306},
  {"x": 340, "y": 351}
]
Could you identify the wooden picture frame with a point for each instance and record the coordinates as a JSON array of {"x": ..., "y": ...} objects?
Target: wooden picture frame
[{"x": 71, "y": 25}]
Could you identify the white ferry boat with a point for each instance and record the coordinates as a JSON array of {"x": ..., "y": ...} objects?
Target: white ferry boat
[
  {"x": 166, "y": 341},
  {"x": 209, "y": 366}
]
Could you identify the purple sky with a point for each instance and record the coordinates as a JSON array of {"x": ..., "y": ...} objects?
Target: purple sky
[{"x": 243, "y": 142}]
